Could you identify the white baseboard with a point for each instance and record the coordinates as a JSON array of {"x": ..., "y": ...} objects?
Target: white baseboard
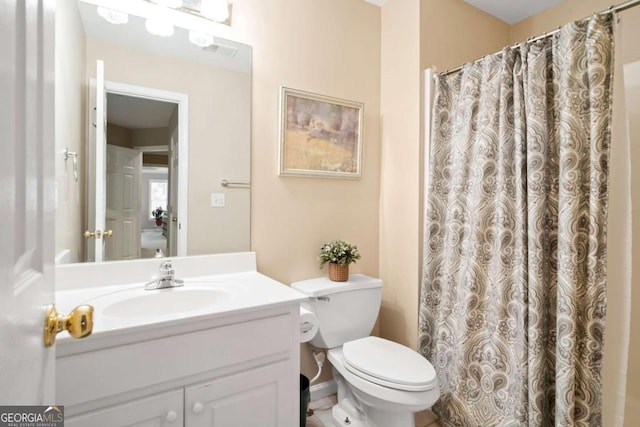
[{"x": 323, "y": 389}]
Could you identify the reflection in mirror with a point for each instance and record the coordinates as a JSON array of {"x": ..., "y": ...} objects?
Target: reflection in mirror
[
  {"x": 215, "y": 80},
  {"x": 144, "y": 202}
]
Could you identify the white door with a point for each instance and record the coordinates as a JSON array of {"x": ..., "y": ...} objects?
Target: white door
[
  {"x": 27, "y": 192},
  {"x": 122, "y": 216},
  {"x": 96, "y": 185},
  {"x": 172, "y": 203}
]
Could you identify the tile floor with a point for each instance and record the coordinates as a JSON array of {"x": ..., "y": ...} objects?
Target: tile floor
[{"x": 322, "y": 415}]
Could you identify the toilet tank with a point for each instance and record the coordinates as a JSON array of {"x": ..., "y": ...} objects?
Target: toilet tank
[{"x": 345, "y": 310}]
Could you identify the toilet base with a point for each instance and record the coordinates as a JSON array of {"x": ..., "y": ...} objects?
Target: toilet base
[
  {"x": 353, "y": 412},
  {"x": 345, "y": 415}
]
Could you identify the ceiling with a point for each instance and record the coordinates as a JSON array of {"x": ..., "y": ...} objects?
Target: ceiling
[
  {"x": 512, "y": 11},
  {"x": 138, "y": 113},
  {"x": 509, "y": 11}
]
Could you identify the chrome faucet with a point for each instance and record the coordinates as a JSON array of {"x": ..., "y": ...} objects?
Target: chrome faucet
[{"x": 167, "y": 278}]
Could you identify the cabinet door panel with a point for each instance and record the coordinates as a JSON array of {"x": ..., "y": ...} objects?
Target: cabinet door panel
[
  {"x": 251, "y": 398},
  {"x": 164, "y": 410}
]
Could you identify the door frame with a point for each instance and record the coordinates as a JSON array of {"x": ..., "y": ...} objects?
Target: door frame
[{"x": 182, "y": 99}]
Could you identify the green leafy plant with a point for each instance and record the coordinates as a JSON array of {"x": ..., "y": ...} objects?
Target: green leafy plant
[
  {"x": 157, "y": 212},
  {"x": 338, "y": 252}
]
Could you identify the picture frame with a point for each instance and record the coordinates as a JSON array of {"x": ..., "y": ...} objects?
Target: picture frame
[{"x": 320, "y": 136}]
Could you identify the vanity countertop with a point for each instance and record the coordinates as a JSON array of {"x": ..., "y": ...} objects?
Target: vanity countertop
[{"x": 126, "y": 312}]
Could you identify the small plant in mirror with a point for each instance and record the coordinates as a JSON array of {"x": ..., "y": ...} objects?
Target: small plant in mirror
[{"x": 157, "y": 214}]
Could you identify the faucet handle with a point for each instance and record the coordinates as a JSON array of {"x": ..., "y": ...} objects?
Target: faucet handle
[
  {"x": 165, "y": 265},
  {"x": 166, "y": 279}
]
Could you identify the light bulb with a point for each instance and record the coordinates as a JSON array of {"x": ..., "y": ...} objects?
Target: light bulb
[
  {"x": 200, "y": 39},
  {"x": 113, "y": 16},
  {"x": 218, "y": 10},
  {"x": 159, "y": 27}
]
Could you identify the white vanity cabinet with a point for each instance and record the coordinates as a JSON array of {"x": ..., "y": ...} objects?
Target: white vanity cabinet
[
  {"x": 223, "y": 350},
  {"x": 164, "y": 410},
  {"x": 240, "y": 370}
]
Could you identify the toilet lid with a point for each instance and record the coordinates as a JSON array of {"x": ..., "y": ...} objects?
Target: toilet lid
[{"x": 388, "y": 364}]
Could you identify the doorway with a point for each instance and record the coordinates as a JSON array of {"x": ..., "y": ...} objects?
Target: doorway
[{"x": 146, "y": 208}]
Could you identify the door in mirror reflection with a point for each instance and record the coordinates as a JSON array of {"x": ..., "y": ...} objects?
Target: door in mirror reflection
[
  {"x": 137, "y": 149},
  {"x": 123, "y": 202},
  {"x": 96, "y": 166}
]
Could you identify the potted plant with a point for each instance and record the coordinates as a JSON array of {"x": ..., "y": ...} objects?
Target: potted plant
[
  {"x": 338, "y": 254},
  {"x": 157, "y": 214}
]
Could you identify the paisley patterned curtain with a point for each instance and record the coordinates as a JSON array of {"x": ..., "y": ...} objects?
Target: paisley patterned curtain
[{"x": 513, "y": 292}]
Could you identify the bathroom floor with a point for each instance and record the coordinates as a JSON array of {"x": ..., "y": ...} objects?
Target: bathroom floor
[{"x": 322, "y": 415}]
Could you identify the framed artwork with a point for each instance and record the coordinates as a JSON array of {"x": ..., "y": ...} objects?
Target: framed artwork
[{"x": 320, "y": 136}]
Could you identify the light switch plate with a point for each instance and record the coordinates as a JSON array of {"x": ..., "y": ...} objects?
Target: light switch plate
[{"x": 217, "y": 200}]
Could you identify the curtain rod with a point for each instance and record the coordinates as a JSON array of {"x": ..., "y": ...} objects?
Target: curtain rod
[{"x": 619, "y": 8}]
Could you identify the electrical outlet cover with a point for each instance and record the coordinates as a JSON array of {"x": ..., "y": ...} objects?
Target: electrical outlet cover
[{"x": 217, "y": 200}]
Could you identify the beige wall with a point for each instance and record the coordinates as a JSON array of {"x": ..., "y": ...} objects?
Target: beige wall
[
  {"x": 453, "y": 32},
  {"x": 400, "y": 170},
  {"x": 150, "y": 137},
  {"x": 69, "y": 127},
  {"x": 155, "y": 159},
  {"x": 330, "y": 47},
  {"x": 118, "y": 135},
  {"x": 218, "y": 111}
]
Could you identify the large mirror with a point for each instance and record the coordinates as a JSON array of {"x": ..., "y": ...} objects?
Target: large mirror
[{"x": 153, "y": 145}]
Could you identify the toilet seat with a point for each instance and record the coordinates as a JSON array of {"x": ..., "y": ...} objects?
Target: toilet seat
[{"x": 388, "y": 364}]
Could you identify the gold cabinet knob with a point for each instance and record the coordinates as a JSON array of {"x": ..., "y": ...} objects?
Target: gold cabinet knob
[
  {"x": 108, "y": 233},
  {"x": 79, "y": 323},
  {"x": 88, "y": 234},
  {"x": 174, "y": 219}
]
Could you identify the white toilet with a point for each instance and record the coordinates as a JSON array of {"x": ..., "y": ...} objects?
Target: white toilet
[{"x": 380, "y": 383}]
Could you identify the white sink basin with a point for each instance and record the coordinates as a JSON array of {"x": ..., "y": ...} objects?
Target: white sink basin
[{"x": 141, "y": 303}]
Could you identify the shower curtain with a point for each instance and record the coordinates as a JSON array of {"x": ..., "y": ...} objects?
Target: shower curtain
[{"x": 513, "y": 292}]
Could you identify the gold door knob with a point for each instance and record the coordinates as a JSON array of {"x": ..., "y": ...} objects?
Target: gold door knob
[
  {"x": 108, "y": 233},
  {"x": 79, "y": 323},
  {"x": 88, "y": 234}
]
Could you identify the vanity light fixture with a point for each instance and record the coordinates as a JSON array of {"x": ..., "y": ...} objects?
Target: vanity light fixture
[
  {"x": 200, "y": 39},
  {"x": 159, "y": 27},
  {"x": 218, "y": 10},
  {"x": 113, "y": 16},
  {"x": 211, "y": 21}
]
